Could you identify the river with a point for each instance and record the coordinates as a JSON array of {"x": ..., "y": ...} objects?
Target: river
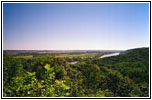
[
  {"x": 104, "y": 56},
  {"x": 109, "y": 55}
]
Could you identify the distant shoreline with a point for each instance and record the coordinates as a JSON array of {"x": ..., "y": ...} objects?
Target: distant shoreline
[{"x": 60, "y": 51}]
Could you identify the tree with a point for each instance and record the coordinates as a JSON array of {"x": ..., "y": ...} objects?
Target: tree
[
  {"x": 29, "y": 86},
  {"x": 91, "y": 74}
]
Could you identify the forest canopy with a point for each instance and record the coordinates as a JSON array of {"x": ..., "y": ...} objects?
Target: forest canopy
[{"x": 125, "y": 75}]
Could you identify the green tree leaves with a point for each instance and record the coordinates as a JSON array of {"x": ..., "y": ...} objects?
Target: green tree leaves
[{"x": 29, "y": 86}]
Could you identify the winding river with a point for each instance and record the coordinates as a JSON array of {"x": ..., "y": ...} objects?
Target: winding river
[
  {"x": 104, "y": 56},
  {"x": 109, "y": 55}
]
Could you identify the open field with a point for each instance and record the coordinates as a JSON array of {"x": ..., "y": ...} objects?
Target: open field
[
  {"x": 68, "y": 53},
  {"x": 78, "y": 55},
  {"x": 30, "y": 56},
  {"x": 62, "y": 55}
]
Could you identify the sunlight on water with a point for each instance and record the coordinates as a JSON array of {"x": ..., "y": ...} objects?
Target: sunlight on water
[{"x": 109, "y": 55}]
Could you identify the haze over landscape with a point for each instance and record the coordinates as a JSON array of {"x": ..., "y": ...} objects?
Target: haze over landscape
[{"x": 75, "y": 26}]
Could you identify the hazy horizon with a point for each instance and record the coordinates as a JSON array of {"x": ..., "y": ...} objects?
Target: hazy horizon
[
  {"x": 75, "y": 49},
  {"x": 75, "y": 26}
]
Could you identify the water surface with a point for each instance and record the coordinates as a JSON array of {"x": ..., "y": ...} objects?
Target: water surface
[{"x": 109, "y": 55}]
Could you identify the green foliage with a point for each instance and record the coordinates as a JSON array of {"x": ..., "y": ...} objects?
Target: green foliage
[
  {"x": 91, "y": 75},
  {"x": 102, "y": 93},
  {"x": 29, "y": 86},
  {"x": 23, "y": 86},
  {"x": 126, "y": 75}
]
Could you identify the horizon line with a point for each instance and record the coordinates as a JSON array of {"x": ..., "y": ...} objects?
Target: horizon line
[
  {"x": 64, "y": 50},
  {"x": 74, "y": 49}
]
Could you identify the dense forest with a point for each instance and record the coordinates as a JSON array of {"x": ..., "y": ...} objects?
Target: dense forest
[{"x": 125, "y": 75}]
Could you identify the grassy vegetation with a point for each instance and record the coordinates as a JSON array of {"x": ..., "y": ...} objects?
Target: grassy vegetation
[
  {"x": 30, "y": 56},
  {"x": 78, "y": 55},
  {"x": 70, "y": 55}
]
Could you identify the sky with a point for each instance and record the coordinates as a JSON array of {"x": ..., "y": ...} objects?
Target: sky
[{"x": 75, "y": 26}]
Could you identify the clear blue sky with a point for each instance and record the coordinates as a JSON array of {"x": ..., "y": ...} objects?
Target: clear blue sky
[{"x": 75, "y": 26}]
